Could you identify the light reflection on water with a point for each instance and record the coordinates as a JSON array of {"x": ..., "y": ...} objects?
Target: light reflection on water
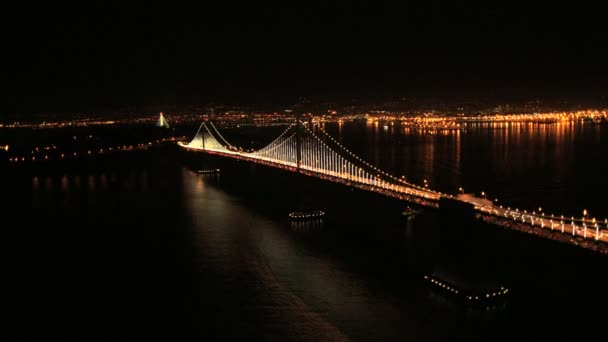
[
  {"x": 306, "y": 293},
  {"x": 306, "y": 226}
]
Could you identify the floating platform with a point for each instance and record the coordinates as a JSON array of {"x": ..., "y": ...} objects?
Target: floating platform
[
  {"x": 208, "y": 171},
  {"x": 307, "y": 215},
  {"x": 409, "y": 212},
  {"x": 468, "y": 297}
]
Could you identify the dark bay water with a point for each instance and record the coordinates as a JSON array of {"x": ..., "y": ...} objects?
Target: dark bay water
[{"x": 139, "y": 246}]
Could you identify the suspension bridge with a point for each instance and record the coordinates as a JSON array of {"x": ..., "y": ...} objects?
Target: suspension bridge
[{"x": 299, "y": 149}]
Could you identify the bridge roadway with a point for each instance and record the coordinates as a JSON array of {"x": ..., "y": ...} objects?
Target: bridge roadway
[
  {"x": 577, "y": 229},
  {"x": 587, "y": 233}
]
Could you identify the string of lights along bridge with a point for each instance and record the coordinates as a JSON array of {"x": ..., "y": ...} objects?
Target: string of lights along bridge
[{"x": 300, "y": 150}]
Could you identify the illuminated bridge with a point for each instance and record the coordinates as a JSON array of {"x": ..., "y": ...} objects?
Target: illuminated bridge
[{"x": 300, "y": 150}]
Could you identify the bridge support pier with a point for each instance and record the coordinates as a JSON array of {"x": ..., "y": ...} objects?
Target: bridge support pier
[{"x": 456, "y": 209}]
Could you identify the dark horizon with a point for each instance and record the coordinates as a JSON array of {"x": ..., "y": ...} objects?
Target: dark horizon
[{"x": 104, "y": 56}]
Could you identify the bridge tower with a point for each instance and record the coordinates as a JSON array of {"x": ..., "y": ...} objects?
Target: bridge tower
[
  {"x": 162, "y": 122},
  {"x": 203, "y": 136},
  {"x": 298, "y": 141}
]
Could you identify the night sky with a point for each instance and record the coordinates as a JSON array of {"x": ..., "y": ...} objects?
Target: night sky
[{"x": 74, "y": 58}]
